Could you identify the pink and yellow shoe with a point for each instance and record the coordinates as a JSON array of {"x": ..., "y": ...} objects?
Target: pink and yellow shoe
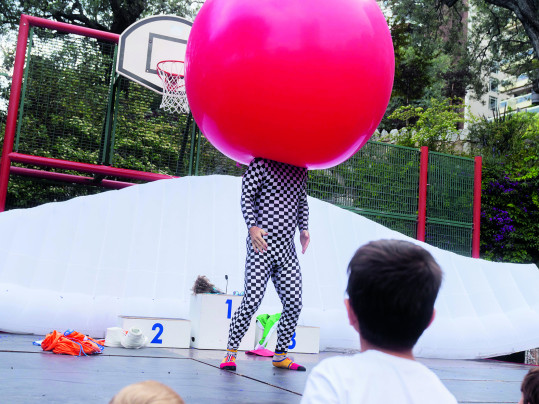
[
  {"x": 280, "y": 360},
  {"x": 229, "y": 363}
]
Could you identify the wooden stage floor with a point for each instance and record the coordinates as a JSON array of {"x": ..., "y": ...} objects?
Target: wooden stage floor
[{"x": 29, "y": 375}]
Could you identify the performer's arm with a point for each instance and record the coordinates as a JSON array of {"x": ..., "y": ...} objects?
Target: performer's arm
[
  {"x": 303, "y": 207},
  {"x": 252, "y": 180},
  {"x": 303, "y": 217}
]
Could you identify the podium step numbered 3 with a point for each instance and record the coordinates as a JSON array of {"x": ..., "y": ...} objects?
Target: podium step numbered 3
[{"x": 304, "y": 340}]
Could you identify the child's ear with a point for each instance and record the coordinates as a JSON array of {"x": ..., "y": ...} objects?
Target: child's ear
[
  {"x": 432, "y": 318},
  {"x": 352, "y": 318}
]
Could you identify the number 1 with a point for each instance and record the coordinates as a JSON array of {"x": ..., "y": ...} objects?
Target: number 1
[{"x": 229, "y": 302}]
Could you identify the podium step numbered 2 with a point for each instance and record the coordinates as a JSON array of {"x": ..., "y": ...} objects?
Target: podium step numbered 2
[{"x": 162, "y": 332}]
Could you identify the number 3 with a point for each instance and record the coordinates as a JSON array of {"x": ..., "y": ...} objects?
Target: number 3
[{"x": 293, "y": 342}]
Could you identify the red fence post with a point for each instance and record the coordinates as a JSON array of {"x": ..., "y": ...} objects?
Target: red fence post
[
  {"x": 422, "y": 204},
  {"x": 477, "y": 207},
  {"x": 13, "y": 107}
]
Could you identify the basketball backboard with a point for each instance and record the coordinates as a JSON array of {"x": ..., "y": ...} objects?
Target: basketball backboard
[{"x": 147, "y": 42}]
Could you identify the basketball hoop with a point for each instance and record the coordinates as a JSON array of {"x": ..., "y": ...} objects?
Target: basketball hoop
[{"x": 172, "y": 74}]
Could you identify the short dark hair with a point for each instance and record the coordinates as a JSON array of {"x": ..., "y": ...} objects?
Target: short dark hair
[
  {"x": 530, "y": 387},
  {"x": 392, "y": 287}
]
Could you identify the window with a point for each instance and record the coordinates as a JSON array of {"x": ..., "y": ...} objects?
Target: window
[
  {"x": 492, "y": 103},
  {"x": 493, "y": 85}
]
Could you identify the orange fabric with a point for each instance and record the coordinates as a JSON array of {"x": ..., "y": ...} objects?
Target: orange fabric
[{"x": 74, "y": 343}]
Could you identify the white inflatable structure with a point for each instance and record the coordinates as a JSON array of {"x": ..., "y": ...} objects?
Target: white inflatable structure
[{"x": 79, "y": 264}]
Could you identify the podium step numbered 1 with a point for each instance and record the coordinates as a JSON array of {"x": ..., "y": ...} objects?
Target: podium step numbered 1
[{"x": 210, "y": 316}]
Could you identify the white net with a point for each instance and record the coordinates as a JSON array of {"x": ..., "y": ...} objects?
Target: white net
[{"x": 172, "y": 74}]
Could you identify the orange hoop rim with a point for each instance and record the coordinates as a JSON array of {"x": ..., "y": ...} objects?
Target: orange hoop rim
[{"x": 160, "y": 69}]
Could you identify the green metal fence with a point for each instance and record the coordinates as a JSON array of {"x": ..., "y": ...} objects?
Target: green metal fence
[
  {"x": 380, "y": 181},
  {"x": 450, "y": 203},
  {"x": 74, "y": 107}
]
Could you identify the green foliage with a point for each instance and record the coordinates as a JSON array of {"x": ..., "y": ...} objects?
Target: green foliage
[
  {"x": 508, "y": 139},
  {"x": 434, "y": 127},
  {"x": 509, "y": 145},
  {"x": 412, "y": 73}
]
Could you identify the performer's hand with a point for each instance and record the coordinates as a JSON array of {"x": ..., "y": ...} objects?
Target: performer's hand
[
  {"x": 257, "y": 240},
  {"x": 304, "y": 239}
]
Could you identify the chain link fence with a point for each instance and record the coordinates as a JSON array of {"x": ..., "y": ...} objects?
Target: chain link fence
[{"x": 74, "y": 107}]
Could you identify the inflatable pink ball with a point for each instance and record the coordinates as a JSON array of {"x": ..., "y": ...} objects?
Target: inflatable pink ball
[{"x": 304, "y": 82}]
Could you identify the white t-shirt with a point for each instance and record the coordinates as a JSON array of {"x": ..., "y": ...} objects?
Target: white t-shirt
[{"x": 374, "y": 377}]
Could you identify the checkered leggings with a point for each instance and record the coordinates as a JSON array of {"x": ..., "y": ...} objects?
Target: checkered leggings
[{"x": 286, "y": 276}]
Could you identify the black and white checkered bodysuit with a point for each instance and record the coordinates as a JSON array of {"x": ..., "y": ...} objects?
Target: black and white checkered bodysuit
[{"x": 273, "y": 198}]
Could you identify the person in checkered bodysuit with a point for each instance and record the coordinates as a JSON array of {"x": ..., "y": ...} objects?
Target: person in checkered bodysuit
[{"x": 273, "y": 202}]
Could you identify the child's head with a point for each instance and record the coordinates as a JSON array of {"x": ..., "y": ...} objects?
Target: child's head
[
  {"x": 148, "y": 392},
  {"x": 530, "y": 387},
  {"x": 392, "y": 287}
]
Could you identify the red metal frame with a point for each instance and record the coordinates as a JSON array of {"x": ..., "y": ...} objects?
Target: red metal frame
[
  {"x": 74, "y": 179},
  {"x": 86, "y": 168},
  {"x": 14, "y": 98},
  {"x": 422, "y": 203},
  {"x": 478, "y": 168},
  {"x": 8, "y": 156},
  {"x": 72, "y": 29}
]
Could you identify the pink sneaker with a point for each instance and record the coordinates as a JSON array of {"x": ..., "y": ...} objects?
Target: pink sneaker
[{"x": 229, "y": 363}]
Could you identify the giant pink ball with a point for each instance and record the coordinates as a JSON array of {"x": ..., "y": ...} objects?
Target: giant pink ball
[{"x": 304, "y": 82}]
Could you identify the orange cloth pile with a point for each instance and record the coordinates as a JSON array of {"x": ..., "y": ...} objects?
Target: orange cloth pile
[{"x": 71, "y": 343}]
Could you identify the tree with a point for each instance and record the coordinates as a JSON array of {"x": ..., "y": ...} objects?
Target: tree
[
  {"x": 431, "y": 59},
  {"x": 434, "y": 127},
  {"x": 112, "y": 15},
  {"x": 505, "y": 34},
  {"x": 437, "y": 36}
]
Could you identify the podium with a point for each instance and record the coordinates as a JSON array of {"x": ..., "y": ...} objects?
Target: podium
[{"x": 210, "y": 316}]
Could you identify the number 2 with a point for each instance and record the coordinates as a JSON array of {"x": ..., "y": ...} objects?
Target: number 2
[{"x": 156, "y": 339}]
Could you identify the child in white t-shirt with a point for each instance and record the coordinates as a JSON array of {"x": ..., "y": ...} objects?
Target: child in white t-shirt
[{"x": 392, "y": 287}]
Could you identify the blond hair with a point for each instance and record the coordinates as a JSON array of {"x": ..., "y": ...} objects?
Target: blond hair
[{"x": 147, "y": 392}]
